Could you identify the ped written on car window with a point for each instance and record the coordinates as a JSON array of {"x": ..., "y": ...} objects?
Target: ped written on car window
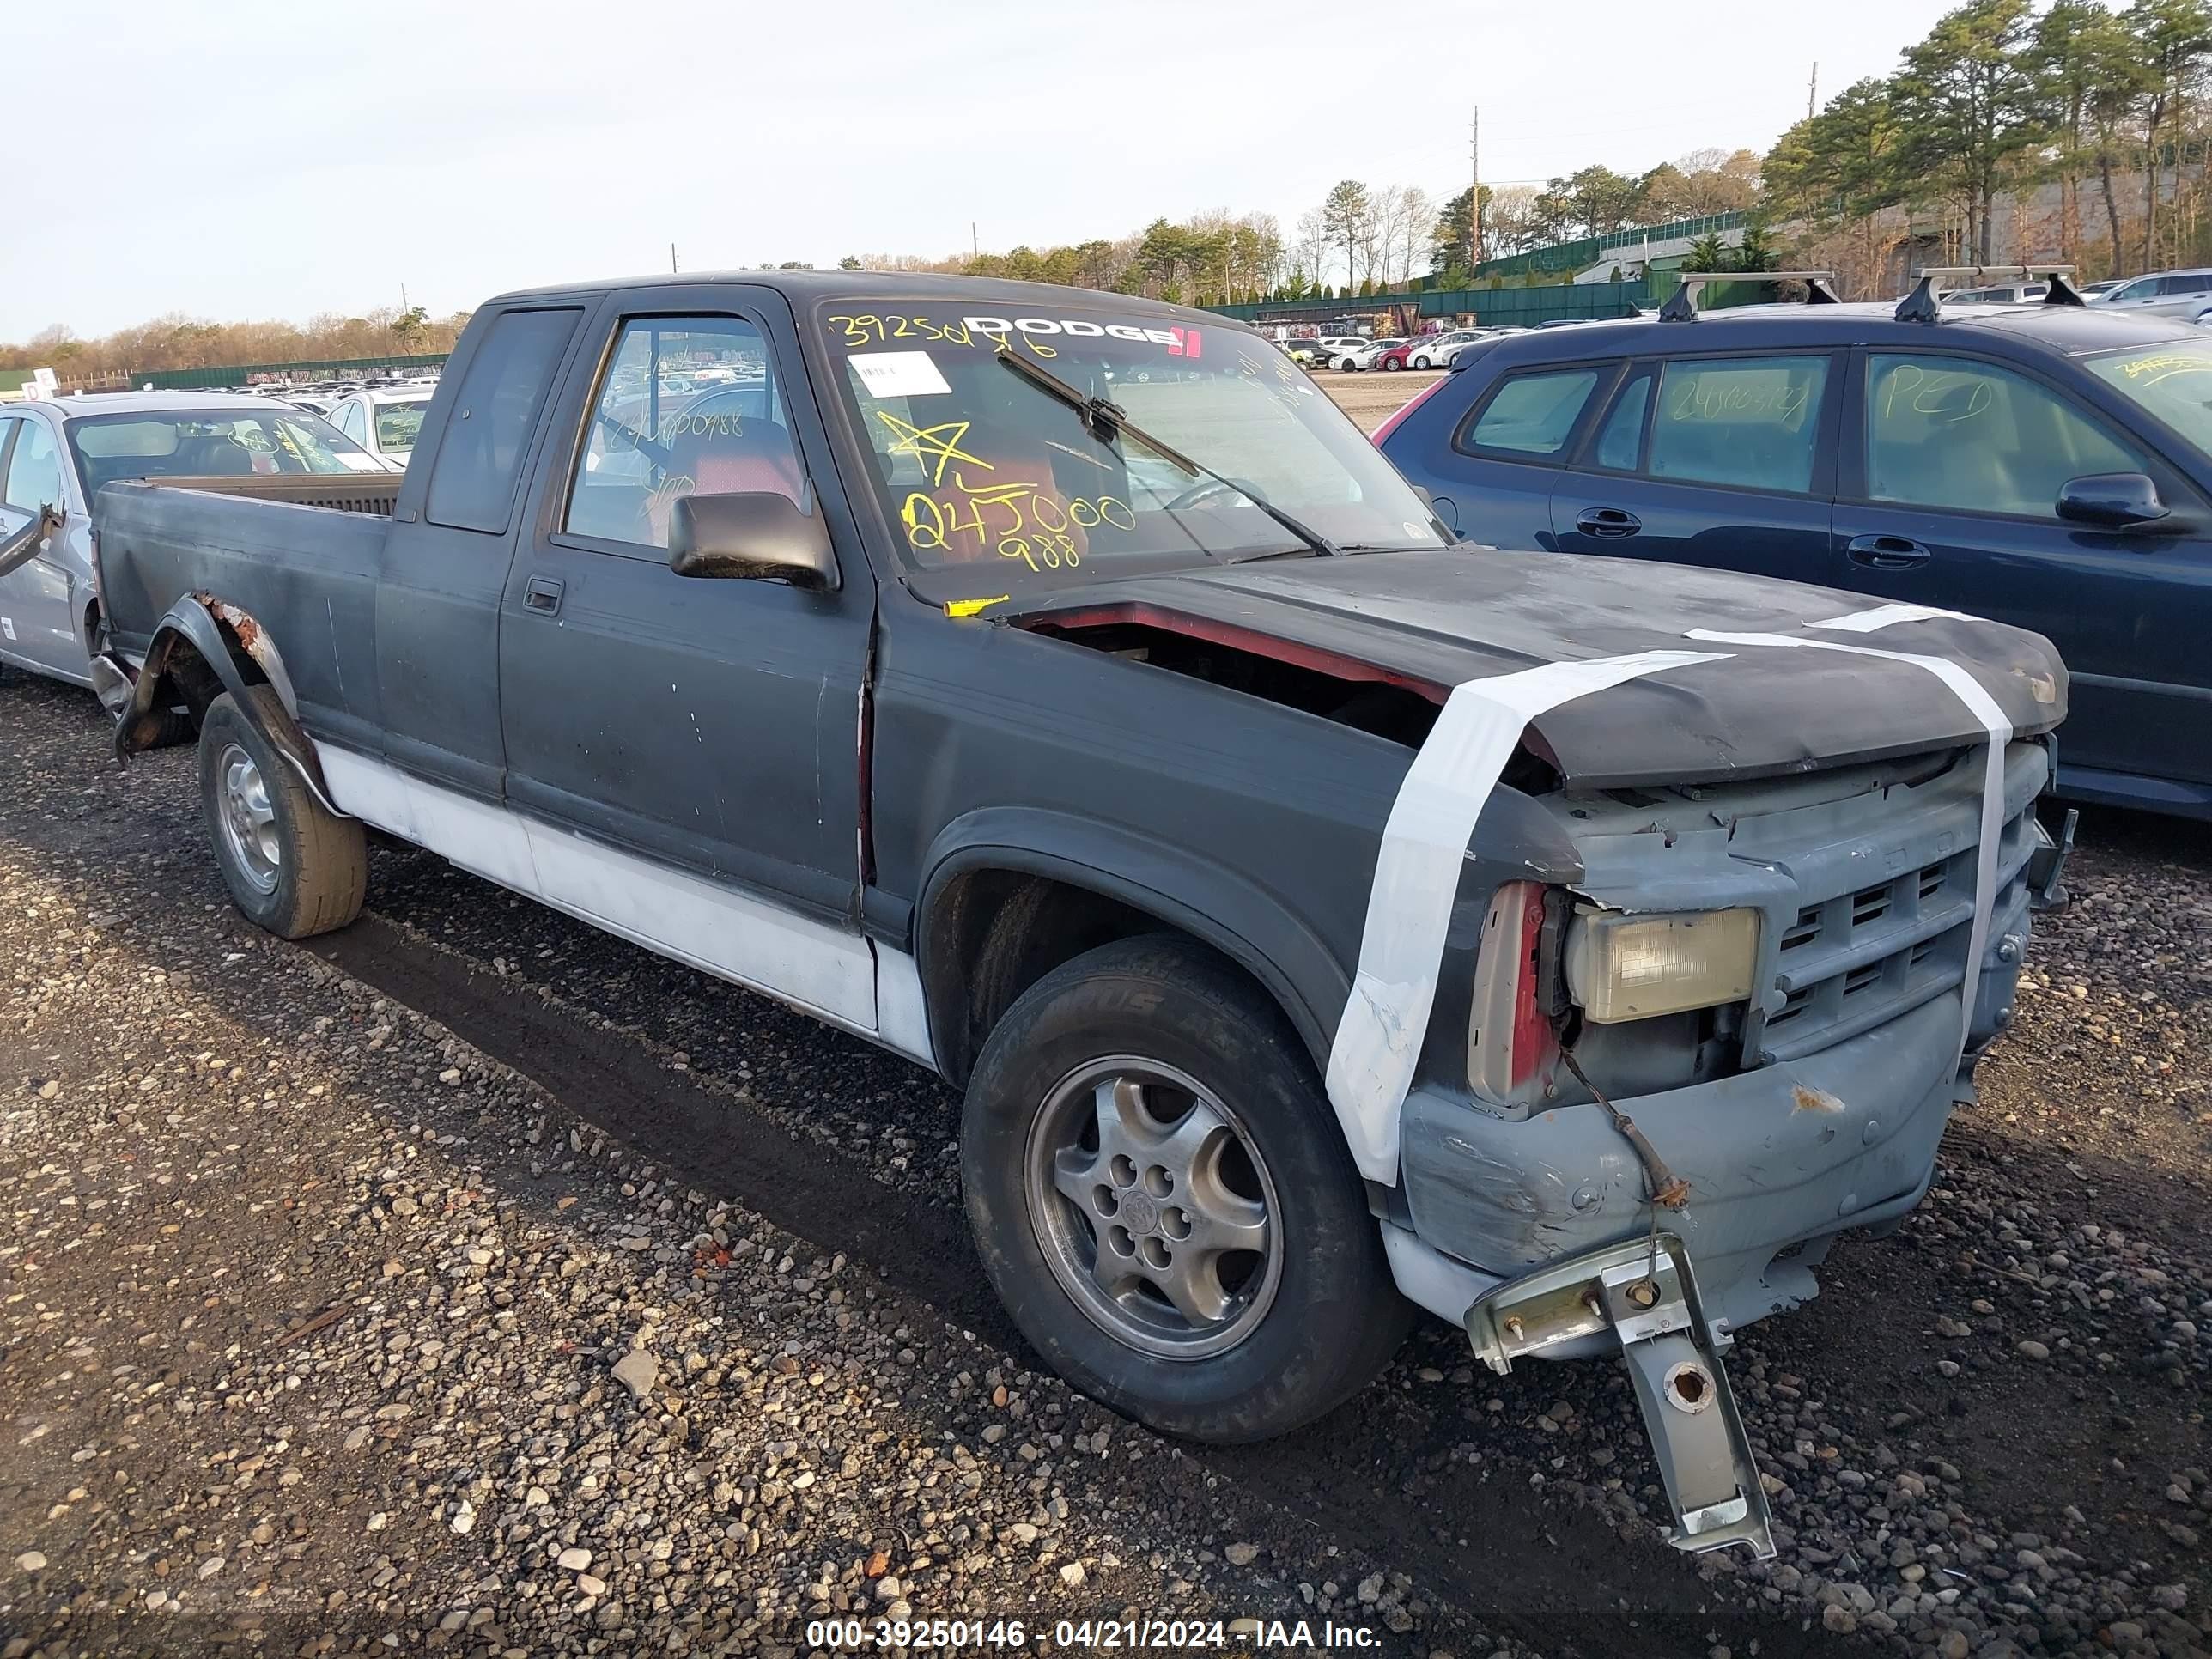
[{"x": 1200, "y": 446}]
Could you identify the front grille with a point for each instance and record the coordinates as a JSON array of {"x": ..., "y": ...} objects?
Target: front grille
[{"x": 1855, "y": 958}]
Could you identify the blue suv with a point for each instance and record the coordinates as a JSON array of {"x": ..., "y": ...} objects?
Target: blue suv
[{"x": 2049, "y": 465}]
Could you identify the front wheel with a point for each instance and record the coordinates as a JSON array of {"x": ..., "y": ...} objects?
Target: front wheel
[{"x": 1164, "y": 1203}]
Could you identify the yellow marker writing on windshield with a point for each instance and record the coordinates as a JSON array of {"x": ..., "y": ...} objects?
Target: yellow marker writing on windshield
[{"x": 971, "y": 607}]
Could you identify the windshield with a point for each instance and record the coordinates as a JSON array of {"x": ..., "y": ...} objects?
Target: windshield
[
  {"x": 210, "y": 443},
  {"x": 2173, "y": 383},
  {"x": 397, "y": 425},
  {"x": 1001, "y": 487}
]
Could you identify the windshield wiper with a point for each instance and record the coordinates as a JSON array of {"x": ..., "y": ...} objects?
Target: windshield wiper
[{"x": 1106, "y": 421}]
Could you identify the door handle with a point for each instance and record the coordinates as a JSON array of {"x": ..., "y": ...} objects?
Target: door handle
[
  {"x": 543, "y": 595},
  {"x": 1887, "y": 552},
  {"x": 1608, "y": 522}
]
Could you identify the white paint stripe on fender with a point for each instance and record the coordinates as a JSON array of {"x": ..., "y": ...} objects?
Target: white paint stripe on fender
[
  {"x": 1869, "y": 621},
  {"x": 1984, "y": 708},
  {"x": 1425, "y": 843}
]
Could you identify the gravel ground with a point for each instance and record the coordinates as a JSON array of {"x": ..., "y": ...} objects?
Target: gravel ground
[{"x": 474, "y": 1280}]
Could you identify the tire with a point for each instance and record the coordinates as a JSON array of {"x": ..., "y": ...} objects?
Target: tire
[
  {"x": 176, "y": 728},
  {"x": 290, "y": 866},
  {"x": 1394, "y": 362},
  {"x": 1160, "y": 1033},
  {"x": 1420, "y": 362}
]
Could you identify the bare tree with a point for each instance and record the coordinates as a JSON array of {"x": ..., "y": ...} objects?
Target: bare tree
[{"x": 1417, "y": 214}]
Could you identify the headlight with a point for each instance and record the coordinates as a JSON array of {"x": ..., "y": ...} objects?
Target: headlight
[{"x": 1621, "y": 967}]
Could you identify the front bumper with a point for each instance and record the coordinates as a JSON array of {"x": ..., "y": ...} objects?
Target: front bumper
[{"x": 1778, "y": 1159}]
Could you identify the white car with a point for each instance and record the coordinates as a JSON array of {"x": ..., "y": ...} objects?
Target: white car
[
  {"x": 1362, "y": 354},
  {"x": 1436, "y": 350},
  {"x": 2184, "y": 294},
  {"x": 383, "y": 423}
]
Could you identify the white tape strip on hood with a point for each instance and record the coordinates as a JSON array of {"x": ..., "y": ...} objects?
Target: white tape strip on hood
[
  {"x": 1425, "y": 843},
  {"x": 1982, "y": 706},
  {"x": 1867, "y": 621}
]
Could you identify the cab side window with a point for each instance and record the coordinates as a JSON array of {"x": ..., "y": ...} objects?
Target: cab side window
[
  {"x": 1969, "y": 437},
  {"x": 688, "y": 405},
  {"x": 493, "y": 418},
  {"x": 1533, "y": 415},
  {"x": 353, "y": 421},
  {"x": 34, "y": 472},
  {"x": 1749, "y": 422}
]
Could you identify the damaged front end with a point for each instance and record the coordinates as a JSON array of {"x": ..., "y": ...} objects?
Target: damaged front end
[{"x": 1735, "y": 1035}]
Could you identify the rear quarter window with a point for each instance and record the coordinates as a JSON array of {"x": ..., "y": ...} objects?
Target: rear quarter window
[{"x": 1532, "y": 414}]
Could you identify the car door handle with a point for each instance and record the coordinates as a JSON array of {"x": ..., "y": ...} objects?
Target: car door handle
[
  {"x": 1887, "y": 552},
  {"x": 543, "y": 595},
  {"x": 1608, "y": 522}
]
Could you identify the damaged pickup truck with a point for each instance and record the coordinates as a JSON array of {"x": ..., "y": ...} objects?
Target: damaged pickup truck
[{"x": 1323, "y": 919}]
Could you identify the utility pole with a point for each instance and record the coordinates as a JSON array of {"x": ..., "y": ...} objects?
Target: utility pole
[
  {"x": 975, "y": 245},
  {"x": 403, "y": 299},
  {"x": 671, "y": 258},
  {"x": 1474, "y": 194},
  {"x": 1812, "y": 89}
]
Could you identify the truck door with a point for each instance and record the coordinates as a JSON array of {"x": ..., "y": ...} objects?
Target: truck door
[
  {"x": 697, "y": 738},
  {"x": 1951, "y": 479},
  {"x": 445, "y": 563}
]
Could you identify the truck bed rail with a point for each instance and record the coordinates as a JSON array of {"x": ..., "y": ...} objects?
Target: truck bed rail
[{"x": 373, "y": 493}]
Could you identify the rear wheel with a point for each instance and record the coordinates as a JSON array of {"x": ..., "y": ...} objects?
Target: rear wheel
[
  {"x": 291, "y": 866},
  {"x": 1164, "y": 1203}
]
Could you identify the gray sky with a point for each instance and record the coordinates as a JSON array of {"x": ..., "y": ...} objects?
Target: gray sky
[{"x": 251, "y": 160}]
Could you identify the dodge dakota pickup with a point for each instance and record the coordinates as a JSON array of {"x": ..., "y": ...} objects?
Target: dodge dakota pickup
[{"x": 1323, "y": 917}]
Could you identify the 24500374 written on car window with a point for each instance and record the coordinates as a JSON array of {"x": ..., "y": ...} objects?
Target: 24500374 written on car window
[{"x": 1192, "y": 437}]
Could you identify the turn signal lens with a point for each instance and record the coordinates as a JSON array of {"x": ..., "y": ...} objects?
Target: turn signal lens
[{"x": 1623, "y": 968}]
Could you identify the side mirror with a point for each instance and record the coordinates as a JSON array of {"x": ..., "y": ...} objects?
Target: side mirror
[
  {"x": 2112, "y": 501},
  {"x": 756, "y": 535},
  {"x": 22, "y": 546}
]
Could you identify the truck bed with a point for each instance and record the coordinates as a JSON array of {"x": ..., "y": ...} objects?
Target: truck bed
[{"x": 307, "y": 541}]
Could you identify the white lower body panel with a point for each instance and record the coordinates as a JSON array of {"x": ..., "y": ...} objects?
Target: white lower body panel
[{"x": 823, "y": 970}]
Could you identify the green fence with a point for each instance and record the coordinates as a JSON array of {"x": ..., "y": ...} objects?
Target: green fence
[
  {"x": 1588, "y": 250},
  {"x": 165, "y": 379}
]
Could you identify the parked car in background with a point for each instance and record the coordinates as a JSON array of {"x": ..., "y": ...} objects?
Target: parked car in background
[
  {"x": 1395, "y": 355},
  {"x": 1361, "y": 353},
  {"x": 2184, "y": 294},
  {"x": 1316, "y": 353},
  {"x": 1436, "y": 350},
  {"x": 2001, "y": 293},
  {"x": 57, "y": 454},
  {"x": 1126, "y": 766},
  {"x": 383, "y": 422},
  {"x": 2048, "y": 465},
  {"x": 2097, "y": 291}
]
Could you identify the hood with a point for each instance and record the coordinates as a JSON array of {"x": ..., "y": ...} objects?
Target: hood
[{"x": 1434, "y": 620}]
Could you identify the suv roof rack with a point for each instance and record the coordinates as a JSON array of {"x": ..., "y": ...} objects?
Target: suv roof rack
[
  {"x": 1925, "y": 303},
  {"x": 1682, "y": 305}
]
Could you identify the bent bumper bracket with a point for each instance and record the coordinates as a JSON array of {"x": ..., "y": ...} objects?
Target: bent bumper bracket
[{"x": 1643, "y": 1289}]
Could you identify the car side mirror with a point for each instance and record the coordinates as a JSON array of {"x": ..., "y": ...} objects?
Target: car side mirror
[
  {"x": 754, "y": 535},
  {"x": 21, "y": 547},
  {"x": 2112, "y": 501}
]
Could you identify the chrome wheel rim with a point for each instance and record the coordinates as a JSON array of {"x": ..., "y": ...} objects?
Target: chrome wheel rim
[
  {"x": 1153, "y": 1208},
  {"x": 248, "y": 819}
]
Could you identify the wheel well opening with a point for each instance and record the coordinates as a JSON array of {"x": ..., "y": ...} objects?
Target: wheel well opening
[
  {"x": 186, "y": 679},
  {"x": 999, "y": 931}
]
